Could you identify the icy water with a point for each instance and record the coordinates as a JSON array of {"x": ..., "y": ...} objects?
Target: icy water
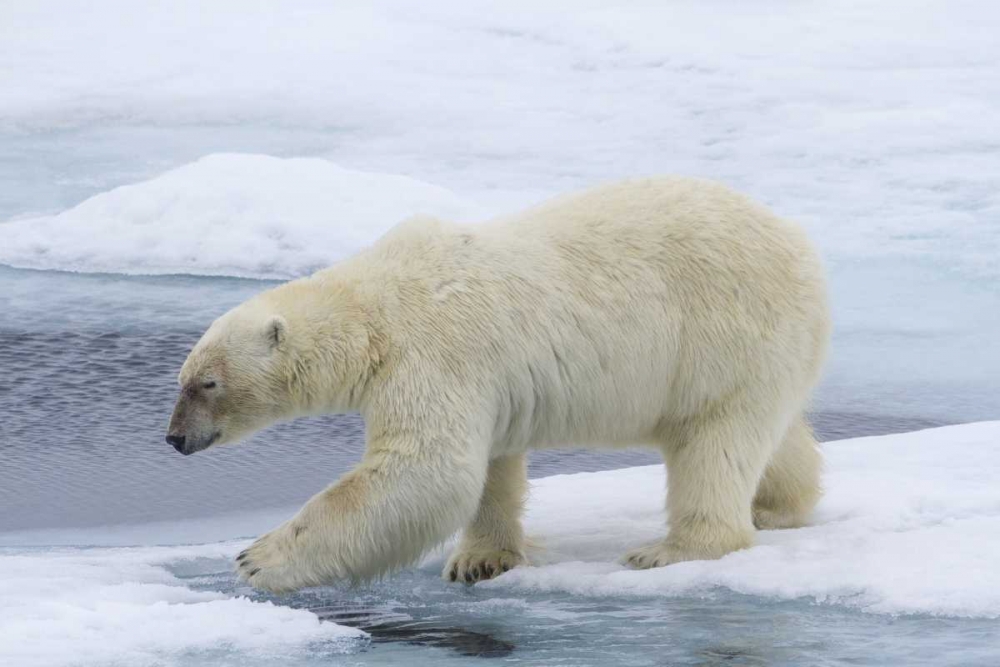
[{"x": 416, "y": 620}]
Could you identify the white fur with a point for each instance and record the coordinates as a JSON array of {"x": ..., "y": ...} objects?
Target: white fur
[{"x": 669, "y": 312}]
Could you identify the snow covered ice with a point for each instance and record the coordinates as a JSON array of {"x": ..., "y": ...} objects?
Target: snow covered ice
[
  {"x": 909, "y": 526},
  {"x": 264, "y": 141},
  {"x": 871, "y": 123},
  {"x": 121, "y": 606}
]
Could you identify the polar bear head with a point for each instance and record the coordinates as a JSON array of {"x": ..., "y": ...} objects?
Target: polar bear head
[
  {"x": 234, "y": 382},
  {"x": 305, "y": 347}
]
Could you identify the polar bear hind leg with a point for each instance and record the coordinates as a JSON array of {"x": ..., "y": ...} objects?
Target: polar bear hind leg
[
  {"x": 714, "y": 466},
  {"x": 494, "y": 541},
  {"x": 790, "y": 488}
]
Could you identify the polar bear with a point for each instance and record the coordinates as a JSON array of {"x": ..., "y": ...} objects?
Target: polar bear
[{"x": 669, "y": 312}]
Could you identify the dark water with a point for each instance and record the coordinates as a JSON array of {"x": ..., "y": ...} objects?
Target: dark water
[{"x": 88, "y": 367}]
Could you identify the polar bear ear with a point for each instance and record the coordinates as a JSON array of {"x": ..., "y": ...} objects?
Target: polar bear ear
[{"x": 276, "y": 332}]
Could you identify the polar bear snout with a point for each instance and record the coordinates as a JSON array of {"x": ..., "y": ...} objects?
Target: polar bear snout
[
  {"x": 191, "y": 428},
  {"x": 182, "y": 445},
  {"x": 177, "y": 441},
  {"x": 187, "y": 445}
]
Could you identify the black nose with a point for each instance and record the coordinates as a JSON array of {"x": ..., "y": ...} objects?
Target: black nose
[{"x": 177, "y": 441}]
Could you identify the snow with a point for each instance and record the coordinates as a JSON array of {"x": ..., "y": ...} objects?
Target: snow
[
  {"x": 909, "y": 524},
  {"x": 872, "y": 123},
  {"x": 123, "y": 606},
  {"x": 239, "y": 215}
]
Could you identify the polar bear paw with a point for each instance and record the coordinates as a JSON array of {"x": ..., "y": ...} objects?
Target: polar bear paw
[
  {"x": 657, "y": 554},
  {"x": 765, "y": 519},
  {"x": 270, "y": 563},
  {"x": 472, "y": 565},
  {"x": 667, "y": 552}
]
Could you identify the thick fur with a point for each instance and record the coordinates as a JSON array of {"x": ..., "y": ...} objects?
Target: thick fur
[{"x": 669, "y": 312}]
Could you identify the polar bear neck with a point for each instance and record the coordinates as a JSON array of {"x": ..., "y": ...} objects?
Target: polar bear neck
[{"x": 334, "y": 344}]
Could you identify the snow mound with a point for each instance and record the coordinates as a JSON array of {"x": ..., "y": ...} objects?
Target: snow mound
[
  {"x": 909, "y": 524},
  {"x": 122, "y": 606},
  {"x": 251, "y": 216}
]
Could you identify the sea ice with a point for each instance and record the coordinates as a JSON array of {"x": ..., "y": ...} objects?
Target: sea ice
[
  {"x": 909, "y": 524},
  {"x": 123, "y": 606},
  {"x": 878, "y": 132}
]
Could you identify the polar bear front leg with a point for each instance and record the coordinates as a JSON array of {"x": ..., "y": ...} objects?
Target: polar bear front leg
[
  {"x": 494, "y": 542},
  {"x": 403, "y": 499}
]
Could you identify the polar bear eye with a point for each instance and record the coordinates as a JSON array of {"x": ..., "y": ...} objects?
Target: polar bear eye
[{"x": 208, "y": 385}]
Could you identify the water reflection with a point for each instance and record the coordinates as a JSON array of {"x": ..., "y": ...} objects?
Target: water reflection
[{"x": 387, "y": 626}]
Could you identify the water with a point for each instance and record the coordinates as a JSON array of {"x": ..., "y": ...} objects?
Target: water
[
  {"x": 91, "y": 363},
  {"x": 415, "y": 620}
]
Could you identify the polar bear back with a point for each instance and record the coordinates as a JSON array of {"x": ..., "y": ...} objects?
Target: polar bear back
[{"x": 602, "y": 316}]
